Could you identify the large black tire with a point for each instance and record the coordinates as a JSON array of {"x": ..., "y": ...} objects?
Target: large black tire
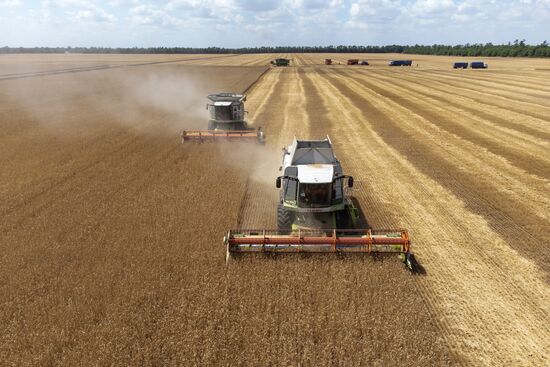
[
  {"x": 284, "y": 219},
  {"x": 413, "y": 265},
  {"x": 343, "y": 219}
]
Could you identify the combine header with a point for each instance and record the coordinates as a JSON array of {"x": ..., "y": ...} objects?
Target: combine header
[
  {"x": 316, "y": 214},
  {"x": 311, "y": 241},
  {"x": 227, "y": 121}
]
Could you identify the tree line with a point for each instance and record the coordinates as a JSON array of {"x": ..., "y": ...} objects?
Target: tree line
[{"x": 511, "y": 49}]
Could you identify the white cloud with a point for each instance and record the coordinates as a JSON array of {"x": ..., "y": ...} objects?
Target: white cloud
[
  {"x": 441, "y": 17},
  {"x": 153, "y": 16},
  {"x": 185, "y": 13},
  {"x": 366, "y": 14},
  {"x": 123, "y": 3},
  {"x": 258, "y": 5},
  {"x": 10, "y": 3},
  {"x": 432, "y": 7},
  {"x": 93, "y": 14},
  {"x": 61, "y": 11},
  {"x": 315, "y": 6},
  {"x": 380, "y": 9},
  {"x": 255, "y": 22}
]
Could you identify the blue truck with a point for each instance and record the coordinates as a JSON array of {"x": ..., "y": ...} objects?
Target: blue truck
[
  {"x": 478, "y": 65},
  {"x": 400, "y": 63},
  {"x": 460, "y": 65}
]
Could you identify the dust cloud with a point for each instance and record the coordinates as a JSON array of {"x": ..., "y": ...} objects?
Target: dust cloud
[{"x": 162, "y": 101}]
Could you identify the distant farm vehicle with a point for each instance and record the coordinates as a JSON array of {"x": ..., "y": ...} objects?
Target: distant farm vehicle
[
  {"x": 316, "y": 213},
  {"x": 400, "y": 63},
  {"x": 460, "y": 65},
  {"x": 353, "y": 62},
  {"x": 328, "y": 61},
  {"x": 227, "y": 121},
  {"x": 363, "y": 62},
  {"x": 478, "y": 65},
  {"x": 280, "y": 62}
]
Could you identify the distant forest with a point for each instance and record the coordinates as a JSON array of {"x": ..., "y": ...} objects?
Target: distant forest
[{"x": 518, "y": 48}]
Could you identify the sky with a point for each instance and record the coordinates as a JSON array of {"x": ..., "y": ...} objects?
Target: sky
[{"x": 250, "y": 23}]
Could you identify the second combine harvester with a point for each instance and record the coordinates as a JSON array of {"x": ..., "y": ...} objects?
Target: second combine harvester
[
  {"x": 227, "y": 121},
  {"x": 315, "y": 212}
]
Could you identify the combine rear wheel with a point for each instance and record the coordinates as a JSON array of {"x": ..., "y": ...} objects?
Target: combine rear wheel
[{"x": 412, "y": 265}]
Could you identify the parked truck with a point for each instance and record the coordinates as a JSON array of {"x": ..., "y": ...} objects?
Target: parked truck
[
  {"x": 478, "y": 65},
  {"x": 460, "y": 65},
  {"x": 400, "y": 63}
]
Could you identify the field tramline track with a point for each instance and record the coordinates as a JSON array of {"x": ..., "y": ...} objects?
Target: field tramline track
[
  {"x": 462, "y": 183},
  {"x": 477, "y": 130},
  {"x": 401, "y": 139},
  {"x": 100, "y": 67}
]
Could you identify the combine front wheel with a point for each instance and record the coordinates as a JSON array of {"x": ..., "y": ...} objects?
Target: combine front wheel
[{"x": 284, "y": 219}]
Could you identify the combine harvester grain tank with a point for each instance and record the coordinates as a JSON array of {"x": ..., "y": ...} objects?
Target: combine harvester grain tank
[
  {"x": 316, "y": 213},
  {"x": 227, "y": 121}
]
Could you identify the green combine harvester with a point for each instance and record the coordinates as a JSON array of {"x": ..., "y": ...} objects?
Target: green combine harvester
[{"x": 280, "y": 62}]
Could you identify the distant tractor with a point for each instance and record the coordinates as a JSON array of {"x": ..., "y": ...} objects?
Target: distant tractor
[
  {"x": 400, "y": 63},
  {"x": 280, "y": 62},
  {"x": 328, "y": 61},
  {"x": 460, "y": 65},
  {"x": 353, "y": 62},
  {"x": 363, "y": 62},
  {"x": 478, "y": 65}
]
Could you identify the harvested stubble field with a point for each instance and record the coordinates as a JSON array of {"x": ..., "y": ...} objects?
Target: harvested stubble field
[{"x": 111, "y": 230}]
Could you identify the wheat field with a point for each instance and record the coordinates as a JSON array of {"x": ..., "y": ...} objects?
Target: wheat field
[{"x": 111, "y": 235}]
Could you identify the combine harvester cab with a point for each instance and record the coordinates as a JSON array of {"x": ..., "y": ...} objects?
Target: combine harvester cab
[
  {"x": 316, "y": 214},
  {"x": 227, "y": 121}
]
